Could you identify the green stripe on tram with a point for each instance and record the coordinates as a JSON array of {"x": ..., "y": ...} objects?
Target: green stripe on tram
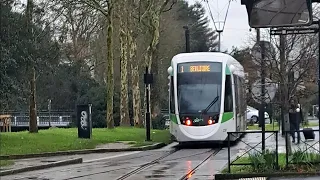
[
  {"x": 226, "y": 116},
  {"x": 228, "y": 72},
  {"x": 173, "y": 118}
]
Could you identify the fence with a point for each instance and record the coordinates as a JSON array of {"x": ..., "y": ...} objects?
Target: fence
[
  {"x": 54, "y": 118},
  {"x": 308, "y": 155},
  {"x": 255, "y": 147}
]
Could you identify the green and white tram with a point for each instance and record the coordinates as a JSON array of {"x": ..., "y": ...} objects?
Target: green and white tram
[{"x": 206, "y": 97}]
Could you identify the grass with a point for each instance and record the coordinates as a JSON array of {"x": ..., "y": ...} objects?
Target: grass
[
  {"x": 300, "y": 162},
  {"x": 269, "y": 127},
  {"x": 57, "y": 139},
  {"x": 6, "y": 163}
]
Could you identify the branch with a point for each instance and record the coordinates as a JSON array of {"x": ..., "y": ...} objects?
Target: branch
[
  {"x": 96, "y": 6},
  {"x": 166, "y": 3}
]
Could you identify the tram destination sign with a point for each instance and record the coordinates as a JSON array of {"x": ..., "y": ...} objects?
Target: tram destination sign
[{"x": 199, "y": 67}]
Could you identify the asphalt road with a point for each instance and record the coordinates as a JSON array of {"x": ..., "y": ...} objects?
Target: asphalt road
[
  {"x": 174, "y": 164},
  {"x": 171, "y": 164}
]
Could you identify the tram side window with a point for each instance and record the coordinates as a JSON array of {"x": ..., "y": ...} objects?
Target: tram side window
[
  {"x": 172, "y": 105},
  {"x": 228, "y": 102},
  {"x": 236, "y": 93},
  {"x": 242, "y": 97}
]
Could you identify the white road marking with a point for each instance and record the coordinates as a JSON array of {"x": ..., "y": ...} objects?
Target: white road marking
[{"x": 111, "y": 157}]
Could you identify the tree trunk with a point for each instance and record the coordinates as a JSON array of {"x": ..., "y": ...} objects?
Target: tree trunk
[
  {"x": 154, "y": 29},
  {"x": 285, "y": 92},
  {"x": 124, "y": 98},
  {"x": 136, "y": 97},
  {"x": 110, "y": 70},
  {"x": 33, "y": 127}
]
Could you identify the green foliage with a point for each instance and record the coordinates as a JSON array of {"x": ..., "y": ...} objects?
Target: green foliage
[
  {"x": 202, "y": 38},
  {"x": 301, "y": 156},
  {"x": 67, "y": 139},
  {"x": 18, "y": 50},
  {"x": 300, "y": 160},
  {"x": 265, "y": 162},
  {"x": 64, "y": 78},
  {"x": 159, "y": 122}
]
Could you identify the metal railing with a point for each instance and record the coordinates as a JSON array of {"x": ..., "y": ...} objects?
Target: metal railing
[
  {"x": 55, "y": 118},
  {"x": 301, "y": 156},
  {"x": 255, "y": 147}
]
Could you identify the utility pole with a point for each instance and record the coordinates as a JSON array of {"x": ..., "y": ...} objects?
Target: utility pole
[
  {"x": 148, "y": 80},
  {"x": 187, "y": 35},
  {"x": 319, "y": 74},
  {"x": 262, "y": 103},
  {"x": 33, "y": 127},
  {"x": 284, "y": 93},
  {"x": 219, "y": 45}
]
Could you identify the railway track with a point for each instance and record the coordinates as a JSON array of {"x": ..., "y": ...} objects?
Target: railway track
[
  {"x": 186, "y": 176},
  {"x": 168, "y": 165},
  {"x": 147, "y": 165},
  {"x": 191, "y": 172}
]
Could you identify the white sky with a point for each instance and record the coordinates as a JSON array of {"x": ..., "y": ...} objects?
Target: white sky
[{"x": 236, "y": 30}]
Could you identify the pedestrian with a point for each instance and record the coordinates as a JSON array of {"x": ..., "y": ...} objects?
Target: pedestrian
[{"x": 294, "y": 120}]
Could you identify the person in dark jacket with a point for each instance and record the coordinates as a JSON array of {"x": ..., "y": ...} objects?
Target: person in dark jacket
[{"x": 294, "y": 120}]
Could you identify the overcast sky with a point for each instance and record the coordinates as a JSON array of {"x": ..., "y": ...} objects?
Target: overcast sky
[{"x": 236, "y": 31}]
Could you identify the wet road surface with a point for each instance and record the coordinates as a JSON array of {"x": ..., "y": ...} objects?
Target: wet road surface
[{"x": 172, "y": 164}]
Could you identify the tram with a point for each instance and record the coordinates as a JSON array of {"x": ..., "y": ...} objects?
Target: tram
[{"x": 207, "y": 97}]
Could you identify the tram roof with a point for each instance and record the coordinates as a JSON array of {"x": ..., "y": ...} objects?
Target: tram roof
[{"x": 210, "y": 56}]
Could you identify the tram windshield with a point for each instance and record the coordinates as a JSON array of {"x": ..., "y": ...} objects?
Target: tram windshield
[{"x": 198, "y": 85}]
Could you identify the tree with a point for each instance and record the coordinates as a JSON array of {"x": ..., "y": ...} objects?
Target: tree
[
  {"x": 287, "y": 64},
  {"x": 108, "y": 11},
  {"x": 124, "y": 37},
  {"x": 33, "y": 127}
]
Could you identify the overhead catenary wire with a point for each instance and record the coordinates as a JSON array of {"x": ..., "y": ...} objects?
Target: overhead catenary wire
[{"x": 213, "y": 19}]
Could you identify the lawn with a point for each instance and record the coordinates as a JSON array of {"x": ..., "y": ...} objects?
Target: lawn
[
  {"x": 269, "y": 127},
  {"x": 59, "y": 139}
]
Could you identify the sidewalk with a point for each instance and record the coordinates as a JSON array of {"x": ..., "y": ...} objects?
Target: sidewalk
[
  {"x": 34, "y": 163},
  {"x": 254, "y": 139},
  {"x": 21, "y": 163}
]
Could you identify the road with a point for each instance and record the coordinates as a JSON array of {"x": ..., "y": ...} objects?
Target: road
[{"x": 166, "y": 163}]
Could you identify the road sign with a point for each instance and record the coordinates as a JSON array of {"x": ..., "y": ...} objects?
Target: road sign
[
  {"x": 285, "y": 31},
  {"x": 270, "y": 89},
  {"x": 256, "y": 52}
]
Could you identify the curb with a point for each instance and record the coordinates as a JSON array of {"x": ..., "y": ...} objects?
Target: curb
[
  {"x": 83, "y": 151},
  {"x": 38, "y": 167},
  {"x": 263, "y": 175}
]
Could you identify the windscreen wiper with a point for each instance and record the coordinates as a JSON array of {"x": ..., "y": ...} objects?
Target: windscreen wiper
[{"x": 210, "y": 105}]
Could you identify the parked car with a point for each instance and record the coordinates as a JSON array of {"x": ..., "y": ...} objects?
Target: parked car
[{"x": 253, "y": 115}]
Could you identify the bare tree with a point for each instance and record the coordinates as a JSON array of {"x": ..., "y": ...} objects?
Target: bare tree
[
  {"x": 124, "y": 37},
  {"x": 151, "y": 19},
  {"x": 289, "y": 65},
  {"x": 107, "y": 8}
]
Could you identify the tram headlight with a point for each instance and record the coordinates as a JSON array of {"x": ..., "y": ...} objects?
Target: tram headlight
[{"x": 188, "y": 122}]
